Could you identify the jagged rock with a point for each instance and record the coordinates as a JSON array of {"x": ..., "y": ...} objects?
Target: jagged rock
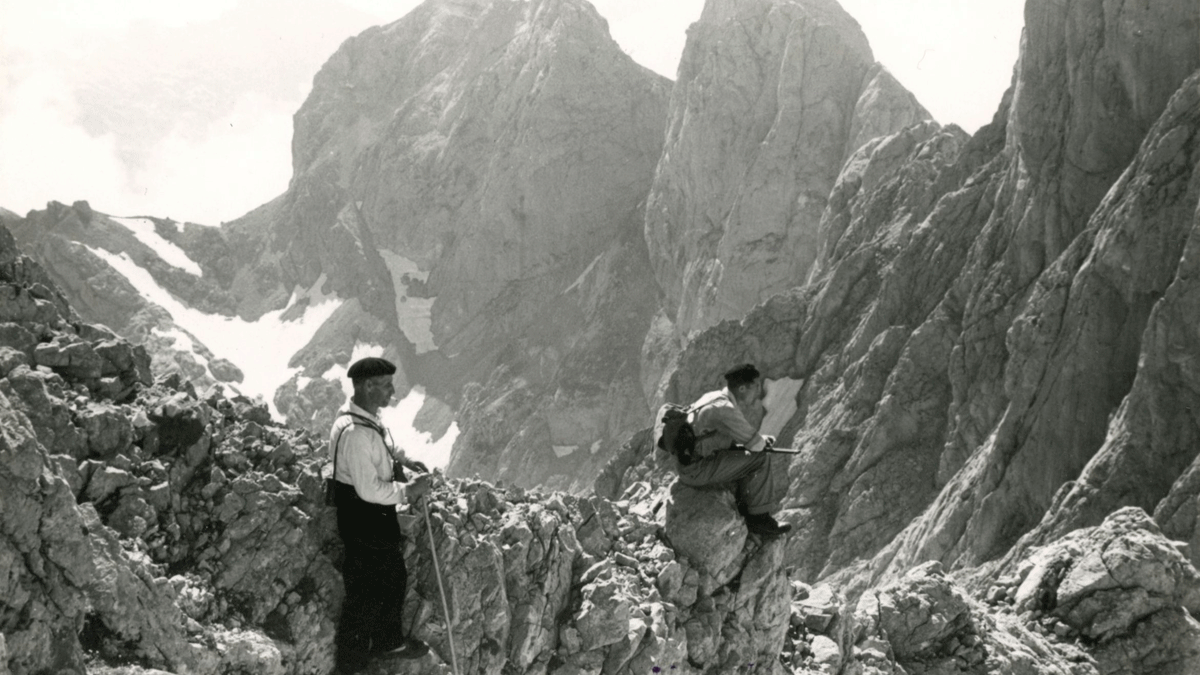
[
  {"x": 1146, "y": 234},
  {"x": 179, "y": 421},
  {"x": 225, "y": 370},
  {"x": 42, "y": 549},
  {"x": 41, "y": 396},
  {"x": 1177, "y": 513},
  {"x": 11, "y": 358},
  {"x": 704, "y": 526},
  {"x": 133, "y": 608},
  {"x": 108, "y": 429},
  {"x": 961, "y": 303},
  {"x": 105, "y": 481},
  {"x": 818, "y": 609},
  {"x": 69, "y": 356},
  {"x": 924, "y": 617},
  {"x": 21, "y": 305},
  {"x": 1102, "y": 581},
  {"x": 248, "y": 651},
  {"x": 826, "y": 655},
  {"x": 604, "y": 618},
  {"x": 18, "y": 337}
]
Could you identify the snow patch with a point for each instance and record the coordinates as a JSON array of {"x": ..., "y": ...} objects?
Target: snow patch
[
  {"x": 260, "y": 349},
  {"x": 143, "y": 229},
  {"x": 413, "y": 314},
  {"x": 564, "y": 450},
  {"x": 418, "y": 445},
  {"x": 780, "y": 403}
]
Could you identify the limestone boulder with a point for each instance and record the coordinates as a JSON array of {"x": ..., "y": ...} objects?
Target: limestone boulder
[
  {"x": 1102, "y": 581},
  {"x": 704, "y": 526},
  {"x": 108, "y": 429},
  {"x": 47, "y": 401}
]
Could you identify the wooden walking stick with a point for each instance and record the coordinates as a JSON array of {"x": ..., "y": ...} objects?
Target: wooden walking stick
[{"x": 437, "y": 572}]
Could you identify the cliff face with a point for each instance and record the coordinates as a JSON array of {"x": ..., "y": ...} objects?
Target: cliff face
[
  {"x": 474, "y": 174},
  {"x": 772, "y": 98},
  {"x": 990, "y": 315}
]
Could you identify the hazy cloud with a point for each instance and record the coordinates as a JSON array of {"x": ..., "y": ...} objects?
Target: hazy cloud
[{"x": 183, "y": 109}]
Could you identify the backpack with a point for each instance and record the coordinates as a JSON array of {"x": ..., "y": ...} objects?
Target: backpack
[{"x": 675, "y": 433}]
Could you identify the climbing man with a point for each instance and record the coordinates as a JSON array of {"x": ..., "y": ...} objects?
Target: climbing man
[
  {"x": 726, "y": 423},
  {"x": 368, "y": 470}
]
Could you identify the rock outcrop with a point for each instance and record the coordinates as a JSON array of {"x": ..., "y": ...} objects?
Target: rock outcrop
[
  {"x": 967, "y": 292},
  {"x": 772, "y": 97},
  {"x": 991, "y": 341}
]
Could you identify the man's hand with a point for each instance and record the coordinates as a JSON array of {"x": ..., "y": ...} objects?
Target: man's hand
[
  {"x": 418, "y": 488},
  {"x": 770, "y": 442},
  {"x": 419, "y": 467}
]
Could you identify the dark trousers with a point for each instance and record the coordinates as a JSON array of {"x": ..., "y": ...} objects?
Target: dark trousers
[
  {"x": 759, "y": 479},
  {"x": 375, "y": 579}
]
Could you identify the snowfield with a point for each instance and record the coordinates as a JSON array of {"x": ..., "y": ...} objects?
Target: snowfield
[
  {"x": 143, "y": 229},
  {"x": 263, "y": 348}
]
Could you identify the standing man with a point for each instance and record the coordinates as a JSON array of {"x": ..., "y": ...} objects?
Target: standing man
[
  {"x": 726, "y": 424},
  {"x": 363, "y": 453}
]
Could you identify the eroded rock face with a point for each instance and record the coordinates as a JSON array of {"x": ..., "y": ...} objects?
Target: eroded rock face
[
  {"x": 966, "y": 290},
  {"x": 772, "y": 97}
]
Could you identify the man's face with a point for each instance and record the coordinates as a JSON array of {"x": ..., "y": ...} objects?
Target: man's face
[
  {"x": 378, "y": 390},
  {"x": 752, "y": 392}
]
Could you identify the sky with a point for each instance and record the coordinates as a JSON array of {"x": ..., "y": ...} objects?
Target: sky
[{"x": 183, "y": 109}]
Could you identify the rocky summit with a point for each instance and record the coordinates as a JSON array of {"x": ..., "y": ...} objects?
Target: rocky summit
[{"x": 982, "y": 348}]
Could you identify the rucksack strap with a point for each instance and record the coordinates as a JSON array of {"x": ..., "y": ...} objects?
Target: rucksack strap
[
  {"x": 362, "y": 422},
  {"x": 696, "y": 408}
]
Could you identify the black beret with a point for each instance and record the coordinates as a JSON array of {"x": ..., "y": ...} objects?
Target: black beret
[
  {"x": 372, "y": 366},
  {"x": 743, "y": 374}
]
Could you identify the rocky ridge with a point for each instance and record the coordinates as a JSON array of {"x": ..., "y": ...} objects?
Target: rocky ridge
[{"x": 148, "y": 529}]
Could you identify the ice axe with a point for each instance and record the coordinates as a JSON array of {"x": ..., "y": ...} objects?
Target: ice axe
[{"x": 768, "y": 448}]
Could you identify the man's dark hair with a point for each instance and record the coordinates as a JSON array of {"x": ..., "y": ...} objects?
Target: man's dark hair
[{"x": 743, "y": 374}]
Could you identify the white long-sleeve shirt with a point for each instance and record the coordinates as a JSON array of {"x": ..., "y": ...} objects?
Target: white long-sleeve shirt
[
  {"x": 718, "y": 414},
  {"x": 364, "y": 460}
]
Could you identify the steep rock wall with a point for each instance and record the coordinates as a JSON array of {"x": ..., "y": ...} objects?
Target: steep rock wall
[
  {"x": 937, "y": 367},
  {"x": 771, "y": 99}
]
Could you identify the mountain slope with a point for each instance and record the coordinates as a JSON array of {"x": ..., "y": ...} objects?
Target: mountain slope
[{"x": 975, "y": 318}]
